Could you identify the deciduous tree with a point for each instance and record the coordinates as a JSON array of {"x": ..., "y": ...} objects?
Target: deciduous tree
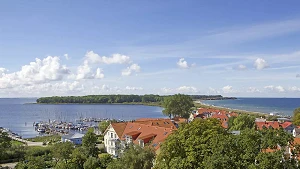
[
  {"x": 134, "y": 157},
  {"x": 178, "y": 105}
]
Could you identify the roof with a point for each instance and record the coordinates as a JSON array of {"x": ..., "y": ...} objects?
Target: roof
[
  {"x": 179, "y": 120},
  {"x": 167, "y": 123},
  {"x": 148, "y": 136},
  {"x": 73, "y": 136},
  {"x": 159, "y": 133},
  {"x": 119, "y": 128},
  {"x": 268, "y": 124},
  {"x": 286, "y": 124}
]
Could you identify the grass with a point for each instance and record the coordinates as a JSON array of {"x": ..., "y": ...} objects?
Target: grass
[
  {"x": 51, "y": 138},
  {"x": 16, "y": 143}
]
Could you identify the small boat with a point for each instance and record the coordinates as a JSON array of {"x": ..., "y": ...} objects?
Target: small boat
[{"x": 41, "y": 130}]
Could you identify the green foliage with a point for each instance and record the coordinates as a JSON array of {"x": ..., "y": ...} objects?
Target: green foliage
[
  {"x": 105, "y": 159},
  {"x": 78, "y": 157},
  {"x": 243, "y": 122},
  {"x": 102, "y": 99},
  {"x": 89, "y": 141},
  {"x": 205, "y": 144},
  {"x": 62, "y": 151},
  {"x": 103, "y": 126},
  {"x": 178, "y": 105},
  {"x": 32, "y": 163},
  {"x": 5, "y": 143},
  {"x": 134, "y": 157},
  {"x": 296, "y": 116},
  {"x": 92, "y": 163},
  {"x": 51, "y": 138},
  {"x": 35, "y": 151}
]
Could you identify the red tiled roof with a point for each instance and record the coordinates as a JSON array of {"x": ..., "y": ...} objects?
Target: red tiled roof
[
  {"x": 268, "y": 124},
  {"x": 179, "y": 120},
  {"x": 161, "y": 133},
  {"x": 167, "y": 123},
  {"x": 119, "y": 128},
  {"x": 286, "y": 124}
]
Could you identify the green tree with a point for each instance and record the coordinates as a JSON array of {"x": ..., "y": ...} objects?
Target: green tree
[
  {"x": 134, "y": 157},
  {"x": 105, "y": 159},
  {"x": 296, "y": 116},
  {"x": 92, "y": 163},
  {"x": 62, "y": 152},
  {"x": 78, "y": 157},
  {"x": 32, "y": 163},
  {"x": 89, "y": 141},
  {"x": 103, "y": 126},
  {"x": 243, "y": 122},
  {"x": 5, "y": 143},
  {"x": 178, "y": 105},
  {"x": 189, "y": 145}
]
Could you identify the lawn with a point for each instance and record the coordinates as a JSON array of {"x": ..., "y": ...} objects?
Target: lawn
[{"x": 52, "y": 138}]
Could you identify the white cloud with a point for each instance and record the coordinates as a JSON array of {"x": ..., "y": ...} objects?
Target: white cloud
[
  {"x": 99, "y": 74},
  {"x": 84, "y": 71},
  {"x": 133, "y": 88},
  {"x": 182, "y": 63},
  {"x": 279, "y": 89},
  {"x": 2, "y": 71},
  {"x": 181, "y": 89},
  {"x": 187, "y": 89},
  {"x": 241, "y": 67},
  {"x": 260, "y": 64},
  {"x": 294, "y": 89},
  {"x": 114, "y": 59},
  {"x": 129, "y": 70},
  {"x": 66, "y": 56},
  {"x": 228, "y": 89},
  {"x": 40, "y": 71},
  {"x": 253, "y": 90}
]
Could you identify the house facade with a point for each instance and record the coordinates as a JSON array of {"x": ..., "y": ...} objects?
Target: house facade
[{"x": 112, "y": 138}]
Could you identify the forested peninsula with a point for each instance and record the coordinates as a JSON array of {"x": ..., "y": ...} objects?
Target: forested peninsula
[{"x": 118, "y": 99}]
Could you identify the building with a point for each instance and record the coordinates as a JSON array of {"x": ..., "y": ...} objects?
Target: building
[
  {"x": 112, "y": 137},
  {"x": 75, "y": 138},
  {"x": 143, "y": 132}
]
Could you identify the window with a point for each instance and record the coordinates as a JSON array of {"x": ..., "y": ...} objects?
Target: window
[{"x": 111, "y": 135}]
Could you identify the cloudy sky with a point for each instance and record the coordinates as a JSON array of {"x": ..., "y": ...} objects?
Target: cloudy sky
[{"x": 233, "y": 48}]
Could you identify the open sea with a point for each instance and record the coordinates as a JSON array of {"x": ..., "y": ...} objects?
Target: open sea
[
  {"x": 284, "y": 106},
  {"x": 19, "y": 116}
]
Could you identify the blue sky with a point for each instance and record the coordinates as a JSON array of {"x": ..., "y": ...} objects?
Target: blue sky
[{"x": 233, "y": 48}]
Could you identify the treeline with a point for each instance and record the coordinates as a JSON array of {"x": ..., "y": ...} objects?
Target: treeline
[
  {"x": 119, "y": 98},
  {"x": 102, "y": 99}
]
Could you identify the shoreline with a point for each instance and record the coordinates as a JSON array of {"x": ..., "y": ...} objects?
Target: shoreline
[{"x": 204, "y": 105}]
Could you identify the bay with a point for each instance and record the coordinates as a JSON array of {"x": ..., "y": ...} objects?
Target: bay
[
  {"x": 19, "y": 116},
  {"x": 284, "y": 106}
]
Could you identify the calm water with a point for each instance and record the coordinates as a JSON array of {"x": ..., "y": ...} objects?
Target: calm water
[
  {"x": 284, "y": 106},
  {"x": 18, "y": 116}
]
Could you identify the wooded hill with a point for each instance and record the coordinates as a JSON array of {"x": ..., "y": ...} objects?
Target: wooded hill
[{"x": 119, "y": 98}]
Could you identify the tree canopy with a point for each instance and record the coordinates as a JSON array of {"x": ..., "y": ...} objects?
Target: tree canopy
[
  {"x": 296, "y": 116},
  {"x": 178, "y": 105},
  {"x": 134, "y": 157},
  {"x": 205, "y": 144},
  {"x": 243, "y": 122},
  {"x": 89, "y": 143}
]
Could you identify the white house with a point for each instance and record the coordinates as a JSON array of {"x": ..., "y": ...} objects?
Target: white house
[
  {"x": 75, "y": 138},
  {"x": 112, "y": 136}
]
